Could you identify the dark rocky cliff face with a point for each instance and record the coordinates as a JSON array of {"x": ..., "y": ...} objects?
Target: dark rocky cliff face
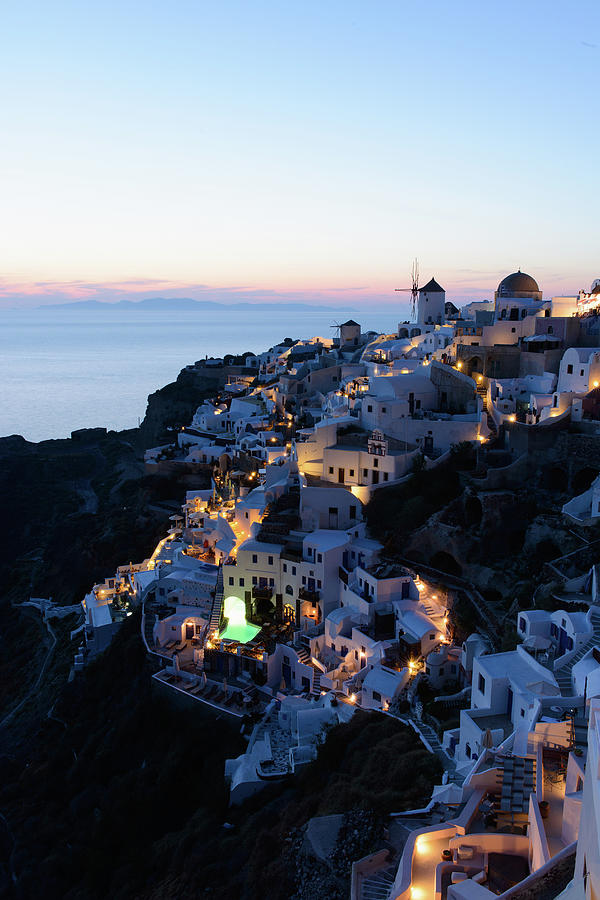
[{"x": 174, "y": 405}]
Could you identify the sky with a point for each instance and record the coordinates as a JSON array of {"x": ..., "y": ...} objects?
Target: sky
[{"x": 296, "y": 150}]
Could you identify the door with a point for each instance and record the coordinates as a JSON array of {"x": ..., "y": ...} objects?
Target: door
[
  {"x": 563, "y": 641},
  {"x": 509, "y": 703},
  {"x": 375, "y": 476},
  {"x": 341, "y": 478},
  {"x": 189, "y": 631}
]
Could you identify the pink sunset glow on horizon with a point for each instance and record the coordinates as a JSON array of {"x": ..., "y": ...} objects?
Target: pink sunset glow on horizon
[{"x": 461, "y": 287}]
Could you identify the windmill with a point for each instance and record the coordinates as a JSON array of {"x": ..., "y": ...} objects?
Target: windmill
[
  {"x": 414, "y": 290},
  {"x": 338, "y": 327}
]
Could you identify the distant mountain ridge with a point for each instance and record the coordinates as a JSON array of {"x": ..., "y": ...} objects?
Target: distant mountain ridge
[{"x": 188, "y": 303}]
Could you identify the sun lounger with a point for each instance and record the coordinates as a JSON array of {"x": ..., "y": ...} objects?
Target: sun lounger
[
  {"x": 197, "y": 689},
  {"x": 211, "y": 690}
]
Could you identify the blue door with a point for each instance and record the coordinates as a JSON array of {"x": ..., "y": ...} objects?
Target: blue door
[{"x": 562, "y": 641}]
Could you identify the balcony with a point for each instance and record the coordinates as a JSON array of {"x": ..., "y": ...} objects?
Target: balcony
[
  {"x": 262, "y": 593},
  {"x": 310, "y": 596}
]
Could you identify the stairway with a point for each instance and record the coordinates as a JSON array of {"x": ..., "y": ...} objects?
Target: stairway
[
  {"x": 304, "y": 657},
  {"x": 564, "y": 674},
  {"x": 482, "y": 392},
  {"x": 217, "y": 607},
  {"x": 378, "y": 885}
]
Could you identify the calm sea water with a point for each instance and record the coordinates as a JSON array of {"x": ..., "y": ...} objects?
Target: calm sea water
[{"x": 62, "y": 370}]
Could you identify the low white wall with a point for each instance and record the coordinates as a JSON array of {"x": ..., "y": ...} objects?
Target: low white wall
[{"x": 539, "y": 852}]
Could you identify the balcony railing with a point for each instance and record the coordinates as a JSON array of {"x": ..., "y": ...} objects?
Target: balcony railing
[{"x": 311, "y": 596}]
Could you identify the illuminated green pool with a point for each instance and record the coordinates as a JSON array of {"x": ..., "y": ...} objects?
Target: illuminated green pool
[{"x": 238, "y": 629}]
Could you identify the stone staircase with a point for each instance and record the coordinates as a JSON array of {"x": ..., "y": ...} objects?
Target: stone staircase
[
  {"x": 563, "y": 675},
  {"x": 378, "y": 885},
  {"x": 434, "y": 742},
  {"x": 304, "y": 657},
  {"x": 482, "y": 392},
  {"x": 217, "y": 607}
]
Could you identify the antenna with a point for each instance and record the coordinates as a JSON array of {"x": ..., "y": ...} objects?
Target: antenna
[{"x": 414, "y": 290}]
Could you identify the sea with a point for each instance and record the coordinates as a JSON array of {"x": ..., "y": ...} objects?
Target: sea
[{"x": 66, "y": 368}]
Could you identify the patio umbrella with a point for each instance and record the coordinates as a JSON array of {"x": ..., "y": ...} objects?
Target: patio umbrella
[
  {"x": 225, "y": 684},
  {"x": 488, "y": 741},
  {"x": 203, "y": 679},
  {"x": 176, "y": 662}
]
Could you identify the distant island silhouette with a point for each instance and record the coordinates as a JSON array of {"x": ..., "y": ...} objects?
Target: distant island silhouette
[{"x": 184, "y": 303}]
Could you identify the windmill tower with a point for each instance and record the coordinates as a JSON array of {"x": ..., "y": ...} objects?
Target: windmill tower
[{"x": 414, "y": 290}]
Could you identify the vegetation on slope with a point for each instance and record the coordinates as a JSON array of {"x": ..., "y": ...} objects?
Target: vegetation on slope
[{"x": 121, "y": 794}]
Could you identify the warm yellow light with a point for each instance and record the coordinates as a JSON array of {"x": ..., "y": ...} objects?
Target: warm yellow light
[
  {"x": 459, "y": 365},
  {"x": 420, "y": 846},
  {"x": 481, "y": 439},
  {"x": 352, "y": 698},
  {"x": 434, "y": 596},
  {"x": 596, "y": 383},
  {"x": 512, "y": 418},
  {"x": 416, "y": 893},
  {"x": 480, "y": 378}
]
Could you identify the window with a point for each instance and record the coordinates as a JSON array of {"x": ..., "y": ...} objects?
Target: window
[
  {"x": 331, "y": 470},
  {"x": 377, "y": 696},
  {"x": 366, "y": 473},
  {"x": 467, "y": 747},
  {"x": 513, "y": 330},
  {"x": 522, "y": 713},
  {"x": 285, "y": 567},
  {"x": 289, "y": 590},
  {"x": 231, "y": 581},
  {"x": 375, "y": 463},
  {"x": 351, "y": 473},
  {"x": 522, "y": 624},
  {"x": 333, "y": 510},
  {"x": 384, "y": 409},
  {"x": 432, "y": 637},
  {"x": 481, "y": 683},
  {"x": 246, "y": 515},
  {"x": 369, "y": 408},
  {"x": 254, "y": 579},
  {"x": 293, "y": 570},
  {"x": 581, "y": 372},
  {"x": 427, "y": 670},
  {"x": 442, "y": 670},
  {"x": 550, "y": 329},
  {"x": 385, "y": 476},
  {"x": 352, "y": 512},
  {"x": 304, "y": 579},
  {"x": 271, "y": 582},
  {"x": 319, "y": 557},
  {"x": 569, "y": 369},
  {"x": 270, "y": 560},
  {"x": 241, "y": 582},
  {"x": 319, "y": 583},
  {"x": 254, "y": 558}
]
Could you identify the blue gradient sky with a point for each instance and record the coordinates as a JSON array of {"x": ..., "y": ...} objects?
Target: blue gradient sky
[{"x": 302, "y": 150}]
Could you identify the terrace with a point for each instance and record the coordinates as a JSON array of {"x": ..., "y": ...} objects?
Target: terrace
[{"x": 225, "y": 698}]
